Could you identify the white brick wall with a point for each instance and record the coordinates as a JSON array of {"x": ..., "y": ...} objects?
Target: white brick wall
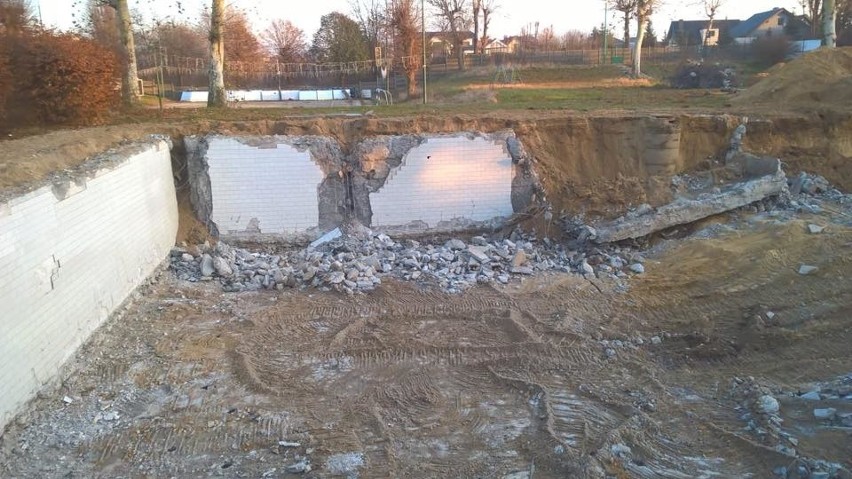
[
  {"x": 65, "y": 265},
  {"x": 445, "y": 179},
  {"x": 277, "y": 186}
]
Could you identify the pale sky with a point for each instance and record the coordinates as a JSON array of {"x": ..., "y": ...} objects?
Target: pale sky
[{"x": 512, "y": 15}]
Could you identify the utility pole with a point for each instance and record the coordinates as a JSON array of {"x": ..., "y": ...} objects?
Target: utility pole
[
  {"x": 606, "y": 27},
  {"x": 423, "y": 27}
]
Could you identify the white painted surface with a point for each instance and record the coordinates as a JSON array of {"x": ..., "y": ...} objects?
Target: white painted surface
[
  {"x": 446, "y": 179},
  {"x": 66, "y": 264},
  {"x": 273, "y": 188},
  {"x": 271, "y": 95}
]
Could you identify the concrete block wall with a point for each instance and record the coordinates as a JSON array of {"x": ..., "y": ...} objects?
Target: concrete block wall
[{"x": 70, "y": 254}]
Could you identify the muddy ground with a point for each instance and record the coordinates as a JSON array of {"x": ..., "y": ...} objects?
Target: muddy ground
[{"x": 552, "y": 376}]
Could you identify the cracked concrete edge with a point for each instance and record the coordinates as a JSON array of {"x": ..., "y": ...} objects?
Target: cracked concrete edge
[
  {"x": 687, "y": 210},
  {"x": 65, "y": 183},
  {"x": 200, "y": 188}
]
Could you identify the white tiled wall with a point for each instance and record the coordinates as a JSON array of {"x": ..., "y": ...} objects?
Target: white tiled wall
[
  {"x": 276, "y": 186},
  {"x": 66, "y": 264},
  {"x": 447, "y": 178}
]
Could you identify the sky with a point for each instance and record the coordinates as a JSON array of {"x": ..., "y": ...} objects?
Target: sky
[{"x": 512, "y": 15}]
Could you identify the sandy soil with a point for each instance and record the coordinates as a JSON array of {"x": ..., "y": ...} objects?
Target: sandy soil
[{"x": 511, "y": 382}]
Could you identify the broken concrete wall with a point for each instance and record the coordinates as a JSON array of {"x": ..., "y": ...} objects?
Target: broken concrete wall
[
  {"x": 71, "y": 253},
  {"x": 438, "y": 183},
  {"x": 267, "y": 188},
  {"x": 294, "y": 188},
  {"x": 686, "y": 210}
]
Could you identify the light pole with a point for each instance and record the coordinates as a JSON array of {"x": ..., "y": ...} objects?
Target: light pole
[{"x": 423, "y": 27}]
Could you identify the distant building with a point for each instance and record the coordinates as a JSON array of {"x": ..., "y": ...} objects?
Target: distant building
[
  {"x": 685, "y": 33},
  {"x": 777, "y": 21},
  {"x": 441, "y": 43},
  {"x": 496, "y": 46}
]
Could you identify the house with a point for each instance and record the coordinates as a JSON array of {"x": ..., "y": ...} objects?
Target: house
[
  {"x": 495, "y": 46},
  {"x": 777, "y": 21},
  {"x": 686, "y": 33},
  {"x": 441, "y": 43},
  {"x": 517, "y": 43}
]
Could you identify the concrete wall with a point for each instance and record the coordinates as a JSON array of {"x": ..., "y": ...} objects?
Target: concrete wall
[
  {"x": 70, "y": 254},
  {"x": 295, "y": 188}
]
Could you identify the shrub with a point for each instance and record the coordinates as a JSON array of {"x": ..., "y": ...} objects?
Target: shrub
[
  {"x": 59, "y": 79},
  {"x": 770, "y": 50},
  {"x": 692, "y": 74}
]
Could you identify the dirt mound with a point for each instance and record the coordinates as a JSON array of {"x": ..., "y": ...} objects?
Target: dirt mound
[{"x": 822, "y": 78}]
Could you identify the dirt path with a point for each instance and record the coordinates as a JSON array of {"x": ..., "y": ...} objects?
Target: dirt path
[{"x": 515, "y": 382}]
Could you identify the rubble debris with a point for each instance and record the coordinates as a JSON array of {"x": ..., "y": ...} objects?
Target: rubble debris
[
  {"x": 815, "y": 229},
  {"x": 687, "y": 210},
  {"x": 825, "y": 413},
  {"x": 357, "y": 260},
  {"x": 807, "y": 269}
]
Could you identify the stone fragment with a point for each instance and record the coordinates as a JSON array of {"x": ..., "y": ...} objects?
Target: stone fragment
[
  {"x": 478, "y": 253},
  {"x": 807, "y": 269},
  {"x": 637, "y": 268},
  {"x": 187, "y": 257},
  {"x": 825, "y": 413},
  {"x": 815, "y": 229},
  {"x": 222, "y": 267},
  {"x": 811, "y": 396},
  {"x": 336, "y": 277},
  {"x": 207, "y": 268},
  {"x": 455, "y": 244},
  {"x": 767, "y": 404},
  {"x": 522, "y": 270},
  {"x": 586, "y": 269}
]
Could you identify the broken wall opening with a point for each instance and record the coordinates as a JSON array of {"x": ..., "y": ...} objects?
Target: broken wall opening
[{"x": 294, "y": 188}]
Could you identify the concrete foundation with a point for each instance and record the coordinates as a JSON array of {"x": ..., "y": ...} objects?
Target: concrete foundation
[{"x": 70, "y": 254}]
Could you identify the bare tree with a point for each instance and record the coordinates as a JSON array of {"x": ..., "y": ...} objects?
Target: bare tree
[
  {"x": 405, "y": 22},
  {"x": 812, "y": 9},
  {"x": 371, "y": 16},
  {"x": 644, "y": 10},
  {"x": 627, "y": 9},
  {"x": 285, "y": 41},
  {"x": 216, "y": 97},
  {"x": 488, "y": 9},
  {"x": 829, "y": 23},
  {"x": 477, "y": 9},
  {"x": 453, "y": 20},
  {"x": 710, "y": 8}
]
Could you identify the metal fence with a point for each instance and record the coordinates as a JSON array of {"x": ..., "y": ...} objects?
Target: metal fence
[{"x": 181, "y": 73}]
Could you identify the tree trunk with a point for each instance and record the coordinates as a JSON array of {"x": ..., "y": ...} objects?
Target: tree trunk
[
  {"x": 829, "y": 22},
  {"x": 486, "y": 19},
  {"x": 460, "y": 52},
  {"x": 476, "y": 8},
  {"x": 707, "y": 33},
  {"x": 129, "y": 82},
  {"x": 216, "y": 88},
  {"x": 626, "y": 29},
  {"x": 642, "y": 24}
]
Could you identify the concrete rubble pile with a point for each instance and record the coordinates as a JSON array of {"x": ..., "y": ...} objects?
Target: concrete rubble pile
[{"x": 358, "y": 262}]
